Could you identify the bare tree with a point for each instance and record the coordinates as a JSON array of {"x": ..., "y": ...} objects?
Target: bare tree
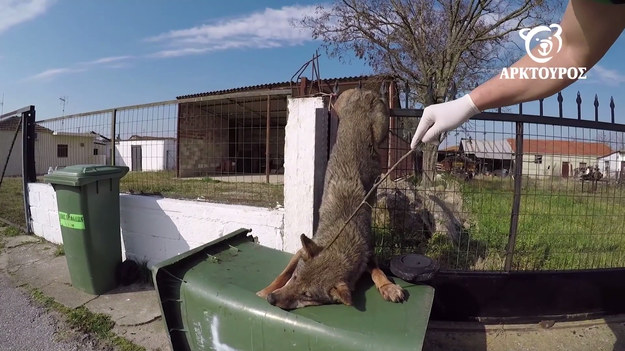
[{"x": 435, "y": 47}]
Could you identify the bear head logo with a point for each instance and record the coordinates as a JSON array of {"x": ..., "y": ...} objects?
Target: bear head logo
[{"x": 545, "y": 46}]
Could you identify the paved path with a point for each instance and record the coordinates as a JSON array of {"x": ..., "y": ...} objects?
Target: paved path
[{"x": 26, "y": 327}]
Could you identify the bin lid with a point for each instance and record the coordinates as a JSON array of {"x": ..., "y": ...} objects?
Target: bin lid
[{"x": 78, "y": 175}]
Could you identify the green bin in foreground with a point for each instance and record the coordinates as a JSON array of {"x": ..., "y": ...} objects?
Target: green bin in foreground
[
  {"x": 88, "y": 203},
  {"x": 208, "y": 301}
]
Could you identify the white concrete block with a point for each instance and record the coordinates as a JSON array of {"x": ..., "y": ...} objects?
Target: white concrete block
[
  {"x": 304, "y": 165},
  {"x": 52, "y": 234},
  {"x": 37, "y": 229},
  {"x": 53, "y": 217}
]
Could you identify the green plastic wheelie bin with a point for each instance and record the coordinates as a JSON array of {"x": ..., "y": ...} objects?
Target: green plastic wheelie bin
[
  {"x": 88, "y": 203},
  {"x": 208, "y": 301}
]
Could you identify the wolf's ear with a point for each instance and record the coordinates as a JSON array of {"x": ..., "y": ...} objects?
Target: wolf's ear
[
  {"x": 340, "y": 293},
  {"x": 310, "y": 249}
]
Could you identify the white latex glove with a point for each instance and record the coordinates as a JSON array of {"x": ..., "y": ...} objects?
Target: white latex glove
[{"x": 442, "y": 117}]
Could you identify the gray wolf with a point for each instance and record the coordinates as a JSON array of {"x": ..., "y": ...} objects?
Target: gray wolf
[{"x": 327, "y": 267}]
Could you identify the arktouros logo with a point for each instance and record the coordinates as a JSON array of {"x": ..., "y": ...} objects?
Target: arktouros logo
[{"x": 548, "y": 40}]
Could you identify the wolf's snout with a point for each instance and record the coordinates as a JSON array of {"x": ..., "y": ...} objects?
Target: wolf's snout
[{"x": 271, "y": 299}]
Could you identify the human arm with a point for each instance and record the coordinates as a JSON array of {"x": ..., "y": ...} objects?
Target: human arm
[{"x": 588, "y": 30}]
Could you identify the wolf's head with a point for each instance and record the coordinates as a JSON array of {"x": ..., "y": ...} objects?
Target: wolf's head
[{"x": 315, "y": 281}]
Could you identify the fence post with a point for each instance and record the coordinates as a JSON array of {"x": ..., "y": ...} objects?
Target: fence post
[
  {"x": 612, "y": 109},
  {"x": 305, "y": 160},
  {"x": 113, "y": 123},
  {"x": 29, "y": 172},
  {"x": 516, "y": 200},
  {"x": 267, "y": 131}
]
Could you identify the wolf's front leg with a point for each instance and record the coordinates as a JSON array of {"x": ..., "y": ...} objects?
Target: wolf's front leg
[
  {"x": 283, "y": 277},
  {"x": 389, "y": 291}
]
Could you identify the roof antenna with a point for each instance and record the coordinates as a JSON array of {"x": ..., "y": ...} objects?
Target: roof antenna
[{"x": 63, "y": 103}]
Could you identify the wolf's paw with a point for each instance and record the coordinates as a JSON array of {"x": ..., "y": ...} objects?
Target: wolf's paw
[{"x": 392, "y": 292}]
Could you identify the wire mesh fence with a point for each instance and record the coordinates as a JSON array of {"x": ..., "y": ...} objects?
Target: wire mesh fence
[
  {"x": 516, "y": 193},
  {"x": 226, "y": 150},
  {"x": 505, "y": 192}
]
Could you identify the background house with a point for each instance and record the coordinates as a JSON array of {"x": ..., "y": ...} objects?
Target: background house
[
  {"x": 488, "y": 155},
  {"x": 613, "y": 165},
  {"x": 52, "y": 149},
  {"x": 144, "y": 153},
  {"x": 565, "y": 158}
]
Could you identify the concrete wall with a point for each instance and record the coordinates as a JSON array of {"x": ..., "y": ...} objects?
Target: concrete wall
[
  {"x": 154, "y": 228},
  {"x": 203, "y": 141}
]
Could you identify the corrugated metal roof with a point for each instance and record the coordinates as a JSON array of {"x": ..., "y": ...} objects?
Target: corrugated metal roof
[
  {"x": 562, "y": 147},
  {"x": 279, "y": 85},
  {"x": 497, "y": 149}
]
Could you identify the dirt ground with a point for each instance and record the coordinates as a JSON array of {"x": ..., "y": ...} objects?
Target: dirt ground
[{"x": 594, "y": 335}]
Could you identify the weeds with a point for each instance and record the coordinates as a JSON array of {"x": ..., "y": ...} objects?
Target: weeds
[
  {"x": 60, "y": 251},
  {"x": 12, "y": 231},
  {"x": 86, "y": 321}
]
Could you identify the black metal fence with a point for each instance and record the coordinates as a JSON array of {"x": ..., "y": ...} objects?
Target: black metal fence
[{"x": 513, "y": 192}]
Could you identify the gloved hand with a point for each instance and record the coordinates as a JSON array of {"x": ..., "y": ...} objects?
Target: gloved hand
[{"x": 442, "y": 117}]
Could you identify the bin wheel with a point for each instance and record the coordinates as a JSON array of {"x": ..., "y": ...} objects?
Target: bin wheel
[
  {"x": 128, "y": 272},
  {"x": 414, "y": 268}
]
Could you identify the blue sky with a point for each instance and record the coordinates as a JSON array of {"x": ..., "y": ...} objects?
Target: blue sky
[{"x": 103, "y": 54}]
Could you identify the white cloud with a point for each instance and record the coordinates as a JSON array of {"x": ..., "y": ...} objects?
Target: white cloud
[
  {"x": 107, "y": 60},
  {"x": 110, "y": 62},
  {"x": 14, "y": 12},
  {"x": 53, "y": 72},
  {"x": 610, "y": 77},
  {"x": 269, "y": 28}
]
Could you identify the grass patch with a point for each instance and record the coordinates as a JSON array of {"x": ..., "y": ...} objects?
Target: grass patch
[
  {"x": 166, "y": 184},
  {"x": 83, "y": 320},
  {"x": 11, "y": 203},
  {"x": 560, "y": 227},
  {"x": 12, "y": 231}
]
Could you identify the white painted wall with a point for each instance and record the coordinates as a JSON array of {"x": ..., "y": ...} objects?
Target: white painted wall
[
  {"x": 80, "y": 151},
  {"x": 154, "y": 229},
  {"x": 610, "y": 165},
  {"x": 156, "y": 154}
]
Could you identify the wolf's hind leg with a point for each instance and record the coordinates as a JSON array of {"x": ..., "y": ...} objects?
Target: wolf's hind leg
[
  {"x": 389, "y": 291},
  {"x": 283, "y": 277}
]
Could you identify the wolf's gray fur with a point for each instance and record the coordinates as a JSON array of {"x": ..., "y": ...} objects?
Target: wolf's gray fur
[{"x": 328, "y": 273}]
